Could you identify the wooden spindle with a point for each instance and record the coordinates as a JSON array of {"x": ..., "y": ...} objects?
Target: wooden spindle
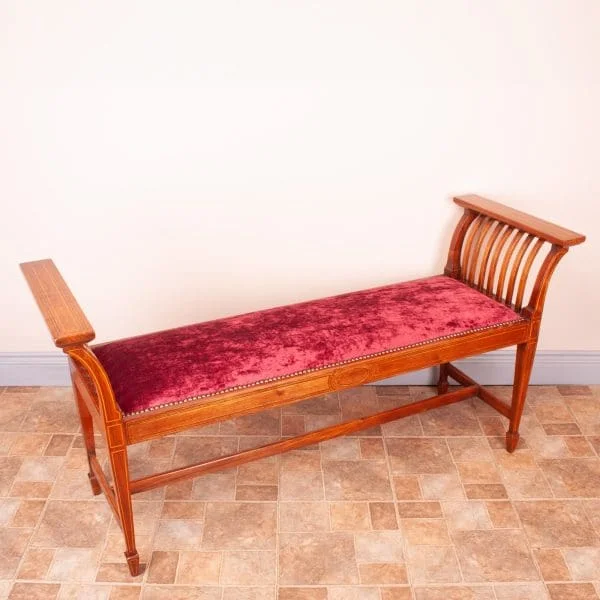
[
  {"x": 480, "y": 237},
  {"x": 515, "y": 268},
  {"x": 498, "y": 226},
  {"x": 506, "y": 262},
  {"x": 495, "y": 259},
  {"x": 525, "y": 273},
  {"x": 468, "y": 244}
]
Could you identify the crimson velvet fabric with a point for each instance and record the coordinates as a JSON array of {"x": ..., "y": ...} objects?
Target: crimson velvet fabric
[{"x": 150, "y": 371}]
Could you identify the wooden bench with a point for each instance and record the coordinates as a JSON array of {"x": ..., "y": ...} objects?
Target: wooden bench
[{"x": 149, "y": 386}]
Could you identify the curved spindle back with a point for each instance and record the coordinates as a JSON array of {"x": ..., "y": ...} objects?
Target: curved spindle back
[{"x": 506, "y": 254}]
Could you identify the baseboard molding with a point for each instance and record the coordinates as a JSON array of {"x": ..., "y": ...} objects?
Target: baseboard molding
[{"x": 494, "y": 368}]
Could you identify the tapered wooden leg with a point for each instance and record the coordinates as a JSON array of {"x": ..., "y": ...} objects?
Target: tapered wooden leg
[
  {"x": 523, "y": 366},
  {"x": 442, "y": 384},
  {"x": 87, "y": 427},
  {"x": 120, "y": 470}
]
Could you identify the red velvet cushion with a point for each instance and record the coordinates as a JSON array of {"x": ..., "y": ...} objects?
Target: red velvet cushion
[{"x": 205, "y": 359}]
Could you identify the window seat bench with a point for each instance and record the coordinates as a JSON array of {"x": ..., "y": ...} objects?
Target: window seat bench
[{"x": 148, "y": 386}]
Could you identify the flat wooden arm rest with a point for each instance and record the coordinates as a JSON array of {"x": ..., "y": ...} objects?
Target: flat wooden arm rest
[
  {"x": 523, "y": 221},
  {"x": 67, "y": 324}
]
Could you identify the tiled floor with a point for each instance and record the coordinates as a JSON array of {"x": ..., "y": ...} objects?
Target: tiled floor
[{"x": 428, "y": 508}]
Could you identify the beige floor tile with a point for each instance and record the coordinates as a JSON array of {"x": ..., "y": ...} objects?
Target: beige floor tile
[
  {"x": 264, "y": 472},
  {"x": 521, "y": 485},
  {"x": 249, "y": 593},
  {"x": 356, "y": 480},
  {"x": 478, "y": 472},
  {"x": 77, "y": 524},
  {"x": 34, "y": 591},
  {"x": 205, "y": 543},
  {"x": 503, "y": 515},
  {"x": 407, "y": 427},
  {"x": 349, "y": 516},
  {"x": 213, "y": 486},
  {"x": 419, "y": 456},
  {"x": 554, "y": 524},
  {"x": 469, "y": 449},
  {"x": 46, "y": 416},
  {"x": 432, "y": 564},
  {"x": 163, "y": 567},
  {"x": 13, "y": 410},
  {"x": 358, "y": 402},
  {"x": 201, "y": 568},
  {"x": 498, "y": 555},
  {"x": 194, "y": 449},
  {"x": 8, "y": 509},
  {"x": 455, "y": 593},
  {"x": 578, "y": 446},
  {"x": 180, "y": 534},
  {"x": 35, "y": 564},
  {"x": 168, "y": 592},
  {"x": 9, "y": 467},
  {"x": 249, "y": 568},
  {"x": 353, "y": 593},
  {"x": 301, "y": 460},
  {"x": 551, "y": 564},
  {"x": 383, "y": 515},
  {"x": 426, "y": 532},
  {"x": 485, "y": 491},
  {"x": 406, "y": 487},
  {"x": 372, "y": 449},
  {"x": 572, "y": 591},
  {"x": 521, "y": 591},
  {"x": 75, "y": 564},
  {"x": 574, "y": 477},
  {"x": 29, "y": 444},
  {"x": 419, "y": 510},
  {"x": 561, "y": 429},
  {"x": 292, "y": 425},
  {"x": 299, "y": 593},
  {"x": 13, "y": 543},
  {"x": 257, "y": 492},
  {"x": 343, "y": 448},
  {"x": 183, "y": 510},
  {"x": 122, "y": 592},
  {"x": 303, "y": 516},
  {"x": 447, "y": 486},
  {"x": 383, "y": 573},
  {"x": 458, "y": 419},
  {"x": 583, "y": 563},
  {"x": 317, "y": 559},
  {"x": 379, "y": 547},
  {"x": 301, "y": 485},
  {"x": 240, "y": 526},
  {"x": 396, "y": 593},
  {"x": 466, "y": 515}
]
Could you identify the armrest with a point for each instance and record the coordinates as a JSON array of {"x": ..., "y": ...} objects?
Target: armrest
[
  {"x": 523, "y": 221},
  {"x": 66, "y": 322}
]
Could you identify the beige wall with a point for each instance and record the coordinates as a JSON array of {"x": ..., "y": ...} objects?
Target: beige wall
[{"x": 182, "y": 161}]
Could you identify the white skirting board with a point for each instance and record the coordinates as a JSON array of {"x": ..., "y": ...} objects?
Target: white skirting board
[{"x": 494, "y": 368}]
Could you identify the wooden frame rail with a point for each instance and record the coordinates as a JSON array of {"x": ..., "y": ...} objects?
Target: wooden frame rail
[{"x": 500, "y": 251}]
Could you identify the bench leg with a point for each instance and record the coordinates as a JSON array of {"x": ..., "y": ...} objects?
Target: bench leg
[
  {"x": 87, "y": 427},
  {"x": 523, "y": 366},
  {"x": 120, "y": 471},
  {"x": 442, "y": 384}
]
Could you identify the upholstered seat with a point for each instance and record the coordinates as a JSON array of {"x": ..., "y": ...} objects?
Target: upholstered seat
[{"x": 205, "y": 359}]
